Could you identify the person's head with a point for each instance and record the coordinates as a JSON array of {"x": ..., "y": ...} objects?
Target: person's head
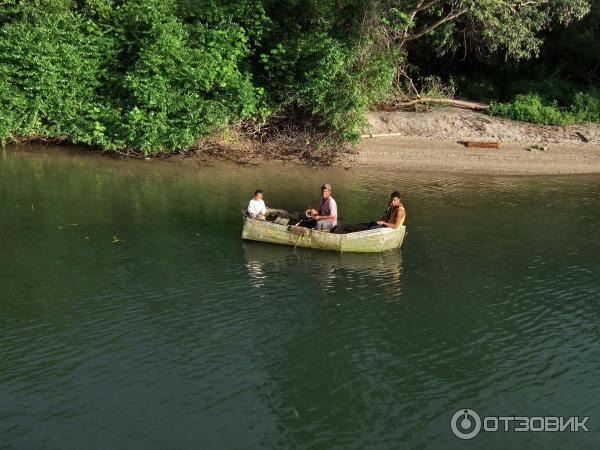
[
  {"x": 258, "y": 194},
  {"x": 395, "y": 198},
  {"x": 326, "y": 190}
]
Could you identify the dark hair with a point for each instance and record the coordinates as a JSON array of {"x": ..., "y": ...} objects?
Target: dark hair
[
  {"x": 395, "y": 194},
  {"x": 258, "y": 191}
]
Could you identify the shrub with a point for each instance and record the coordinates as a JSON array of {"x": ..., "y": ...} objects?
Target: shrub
[
  {"x": 531, "y": 108},
  {"x": 126, "y": 74},
  {"x": 434, "y": 87},
  {"x": 586, "y": 106},
  {"x": 51, "y": 60},
  {"x": 183, "y": 80},
  {"x": 549, "y": 89},
  {"x": 333, "y": 81}
]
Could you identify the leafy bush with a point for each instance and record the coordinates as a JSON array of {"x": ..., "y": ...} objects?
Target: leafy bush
[
  {"x": 434, "y": 87},
  {"x": 156, "y": 75},
  {"x": 183, "y": 80},
  {"x": 531, "y": 108},
  {"x": 586, "y": 106},
  {"x": 333, "y": 81},
  {"x": 123, "y": 74},
  {"x": 548, "y": 88},
  {"x": 51, "y": 61}
]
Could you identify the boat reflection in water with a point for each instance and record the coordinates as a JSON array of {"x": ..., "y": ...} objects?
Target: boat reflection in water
[{"x": 364, "y": 274}]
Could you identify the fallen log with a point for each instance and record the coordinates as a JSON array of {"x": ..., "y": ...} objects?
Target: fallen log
[
  {"x": 481, "y": 144},
  {"x": 370, "y": 135},
  {"x": 442, "y": 101},
  {"x": 582, "y": 136}
]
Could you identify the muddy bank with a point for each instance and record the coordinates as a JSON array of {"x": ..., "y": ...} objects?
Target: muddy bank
[{"x": 408, "y": 141}]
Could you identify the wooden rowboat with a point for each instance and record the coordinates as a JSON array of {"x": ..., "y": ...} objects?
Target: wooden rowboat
[{"x": 277, "y": 231}]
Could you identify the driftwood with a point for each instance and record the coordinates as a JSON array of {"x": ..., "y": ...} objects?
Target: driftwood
[
  {"x": 582, "y": 136},
  {"x": 371, "y": 135},
  {"x": 481, "y": 144},
  {"x": 442, "y": 101}
]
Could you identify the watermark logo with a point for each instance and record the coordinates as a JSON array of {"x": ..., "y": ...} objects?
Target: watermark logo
[{"x": 467, "y": 423}]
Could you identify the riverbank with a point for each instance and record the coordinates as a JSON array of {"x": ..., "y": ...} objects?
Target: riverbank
[
  {"x": 430, "y": 141},
  {"x": 412, "y": 141},
  {"x": 410, "y": 154}
]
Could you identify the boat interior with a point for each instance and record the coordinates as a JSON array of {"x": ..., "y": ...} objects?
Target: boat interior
[{"x": 300, "y": 219}]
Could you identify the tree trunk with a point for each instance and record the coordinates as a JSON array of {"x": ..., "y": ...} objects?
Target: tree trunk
[{"x": 441, "y": 101}]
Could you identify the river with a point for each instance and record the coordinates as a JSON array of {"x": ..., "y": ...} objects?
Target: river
[{"x": 133, "y": 316}]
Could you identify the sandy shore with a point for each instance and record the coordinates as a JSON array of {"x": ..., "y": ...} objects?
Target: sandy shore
[
  {"x": 430, "y": 142},
  {"x": 512, "y": 158}
]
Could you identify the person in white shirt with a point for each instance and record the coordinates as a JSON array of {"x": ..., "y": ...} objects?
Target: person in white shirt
[{"x": 256, "y": 207}]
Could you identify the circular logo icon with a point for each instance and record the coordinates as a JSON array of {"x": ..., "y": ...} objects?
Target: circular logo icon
[{"x": 465, "y": 423}]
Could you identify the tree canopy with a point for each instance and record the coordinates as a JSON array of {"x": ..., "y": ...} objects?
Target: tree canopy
[{"x": 156, "y": 75}]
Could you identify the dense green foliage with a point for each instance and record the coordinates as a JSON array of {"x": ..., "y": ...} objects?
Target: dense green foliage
[
  {"x": 559, "y": 86},
  {"x": 123, "y": 74},
  {"x": 533, "y": 108},
  {"x": 156, "y": 75}
]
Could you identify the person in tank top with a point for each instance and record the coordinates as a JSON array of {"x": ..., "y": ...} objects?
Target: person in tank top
[{"x": 394, "y": 215}]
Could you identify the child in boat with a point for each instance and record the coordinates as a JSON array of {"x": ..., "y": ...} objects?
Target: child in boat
[{"x": 256, "y": 208}]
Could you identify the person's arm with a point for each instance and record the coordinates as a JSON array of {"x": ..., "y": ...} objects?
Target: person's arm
[
  {"x": 263, "y": 208},
  {"x": 333, "y": 211},
  {"x": 250, "y": 209},
  {"x": 317, "y": 216}
]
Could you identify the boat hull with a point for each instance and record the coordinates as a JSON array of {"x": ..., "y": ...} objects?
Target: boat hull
[{"x": 368, "y": 241}]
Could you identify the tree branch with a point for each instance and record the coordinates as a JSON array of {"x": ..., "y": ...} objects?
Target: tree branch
[
  {"x": 422, "y": 6},
  {"x": 442, "y": 101},
  {"x": 443, "y": 20}
]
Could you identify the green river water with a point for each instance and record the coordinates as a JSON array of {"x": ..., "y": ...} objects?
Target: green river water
[{"x": 132, "y": 316}]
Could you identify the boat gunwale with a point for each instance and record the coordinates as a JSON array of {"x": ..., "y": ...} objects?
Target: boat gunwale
[{"x": 360, "y": 233}]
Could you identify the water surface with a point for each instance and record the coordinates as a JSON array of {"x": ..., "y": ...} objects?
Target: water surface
[{"x": 132, "y": 316}]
